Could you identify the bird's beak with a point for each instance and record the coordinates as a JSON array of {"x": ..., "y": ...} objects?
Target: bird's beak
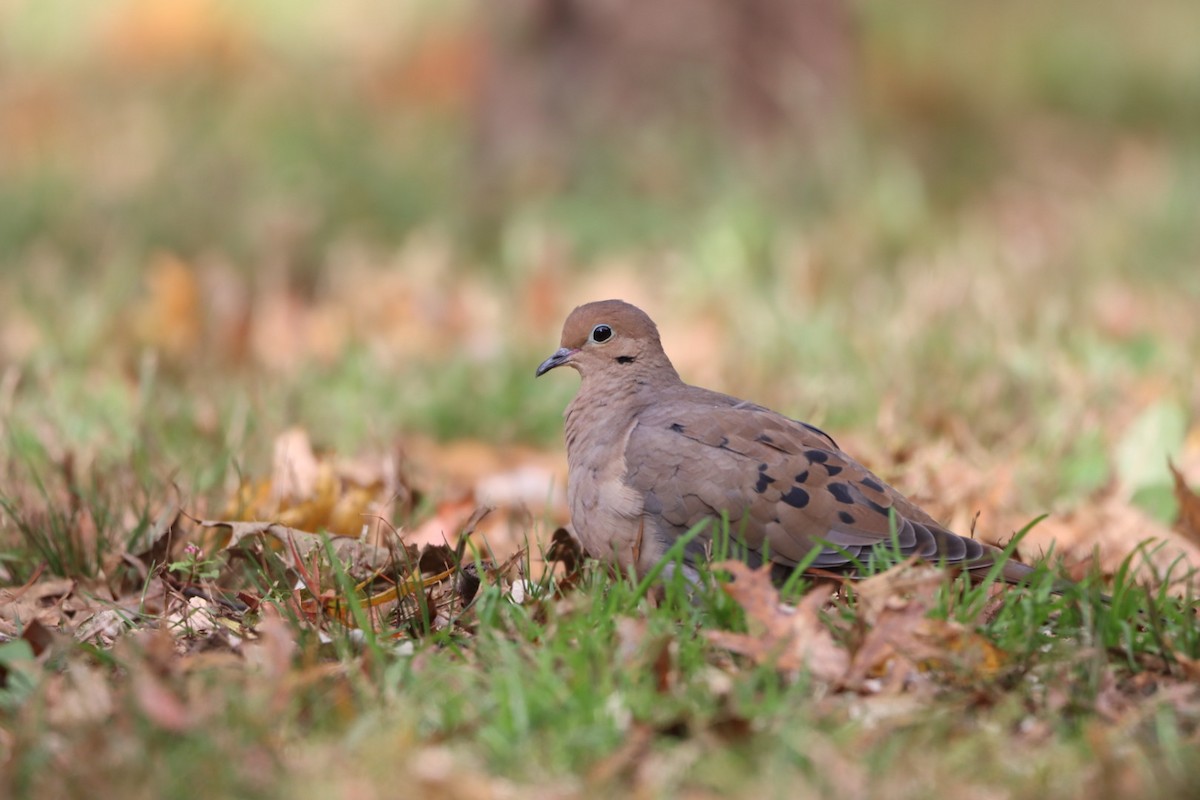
[{"x": 561, "y": 356}]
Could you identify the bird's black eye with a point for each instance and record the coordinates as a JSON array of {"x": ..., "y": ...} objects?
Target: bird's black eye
[{"x": 601, "y": 334}]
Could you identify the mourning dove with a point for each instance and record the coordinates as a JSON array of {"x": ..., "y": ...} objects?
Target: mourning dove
[{"x": 650, "y": 456}]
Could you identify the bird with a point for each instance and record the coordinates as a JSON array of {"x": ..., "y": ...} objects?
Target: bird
[{"x": 651, "y": 458}]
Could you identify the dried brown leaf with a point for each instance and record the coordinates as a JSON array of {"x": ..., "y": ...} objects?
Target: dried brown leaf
[
  {"x": 40, "y": 637},
  {"x": 160, "y": 705},
  {"x": 141, "y": 35},
  {"x": 1189, "y": 506},
  {"x": 436, "y": 558},
  {"x": 170, "y": 319},
  {"x": 195, "y": 616},
  {"x": 82, "y": 694},
  {"x": 1111, "y": 703},
  {"x": 451, "y": 517},
  {"x": 295, "y": 471},
  {"x": 1112, "y": 528},
  {"x": 896, "y": 587},
  {"x": 272, "y": 652},
  {"x": 102, "y": 627},
  {"x": 889, "y": 650},
  {"x": 311, "y": 492},
  {"x": 39, "y": 600},
  {"x": 363, "y": 559},
  {"x": 565, "y": 549},
  {"x": 901, "y": 643},
  {"x": 790, "y": 638}
]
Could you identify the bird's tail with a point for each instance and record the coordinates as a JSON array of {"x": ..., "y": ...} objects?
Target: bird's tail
[{"x": 1019, "y": 574}]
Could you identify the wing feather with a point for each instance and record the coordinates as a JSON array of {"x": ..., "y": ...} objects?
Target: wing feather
[{"x": 783, "y": 484}]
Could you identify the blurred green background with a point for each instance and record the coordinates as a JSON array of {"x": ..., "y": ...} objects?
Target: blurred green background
[{"x": 962, "y": 221}]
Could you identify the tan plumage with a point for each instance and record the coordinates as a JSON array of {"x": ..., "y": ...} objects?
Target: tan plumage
[{"x": 650, "y": 456}]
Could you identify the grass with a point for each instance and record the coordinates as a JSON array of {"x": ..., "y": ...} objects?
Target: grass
[
  {"x": 984, "y": 286},
  {"x": 603, "y": 691}
]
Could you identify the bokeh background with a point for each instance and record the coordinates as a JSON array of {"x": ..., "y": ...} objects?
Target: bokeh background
[{"x": 961, "y": 236}]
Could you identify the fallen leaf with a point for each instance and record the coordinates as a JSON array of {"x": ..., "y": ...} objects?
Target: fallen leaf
[
  {"x": 889, "y": 650},
  {"x": 160, "y": 705},
  {"x": 103, "y": 627},
  {"x": 170, "y": 319},
  {"x": 37, "y": 600},
  {"x": 533, "y": 485},
  {"x": 362, "y": 559},
  {"x": 893, "y": 588},
  {"x": 82, "y": 695},
  {"x": 40, "y": 637},
  {"x": 295, "y": 470},
  {"x": 311, "y": 492},
  {"x": 1113, "y": 528},
  {"x": 144, "y": 35},
  {"x": 1111, "y": 703},
  {"x": 790, "y": 638},
  {"x": 901, "y": 642},
  {"x": 565, "y": 549},
  {"x": 1189, "y": 506},
  {"x": 193, "y": 618},
  {"x": 443, "y": 527}
]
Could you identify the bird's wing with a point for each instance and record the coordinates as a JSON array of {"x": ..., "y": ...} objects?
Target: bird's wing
[{"x": 784, "y": 485}]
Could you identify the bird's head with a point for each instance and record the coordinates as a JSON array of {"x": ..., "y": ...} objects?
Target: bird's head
[{"x": 608, "y": 337}]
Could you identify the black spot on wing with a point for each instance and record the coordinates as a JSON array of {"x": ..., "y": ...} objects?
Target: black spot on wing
[
  {"x": 678, "y": 428},
  {"x": 764, "y": 480},
  {"x": 877, "y": 508},
  {"x": 802, "y": 477},
  {"x": 796, "y": 497},
  {"x": 841, "y": 492},
  {"x": 846, "y": 517},
  {"x": 816, "y": 456},
  {"x": 832, "y": 469},
  {"x": 871, "y": 483}
]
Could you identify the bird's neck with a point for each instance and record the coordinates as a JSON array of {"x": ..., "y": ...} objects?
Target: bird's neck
[{"x": 605, "y": 404}]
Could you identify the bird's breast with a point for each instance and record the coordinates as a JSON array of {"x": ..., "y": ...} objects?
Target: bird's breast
[{"x": 606, "y": 513}]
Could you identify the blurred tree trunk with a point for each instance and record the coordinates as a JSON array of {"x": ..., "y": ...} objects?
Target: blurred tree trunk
[{"x": 561, "y": 77}]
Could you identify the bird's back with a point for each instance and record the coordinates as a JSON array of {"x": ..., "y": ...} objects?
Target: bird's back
[{"x": 784, "y": 486}]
